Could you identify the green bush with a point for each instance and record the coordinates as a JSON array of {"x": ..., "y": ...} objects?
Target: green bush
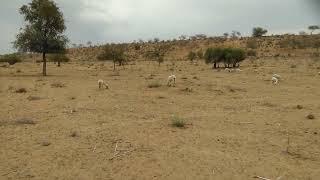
[
  {"x": 178, "y": 122},
  {"x": 154, "y": 84},
  {"x": 253, "y": 44},
  {"x": 228, "y": 56},
  {"x": 11, "y": 58}
]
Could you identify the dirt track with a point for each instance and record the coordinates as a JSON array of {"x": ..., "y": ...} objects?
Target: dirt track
[{"x": 238, "y": 124}]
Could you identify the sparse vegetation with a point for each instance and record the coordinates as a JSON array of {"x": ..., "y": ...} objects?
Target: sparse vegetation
[
  {"x": 178, "y": 122},
  {"x": 21, "y": 90},
  {"x": 114, "y": 52},
  {"x": 192, "y": 56},
  {"x": 10, "y": 58},
  {"x": 25, "y": 121},
  {"x": 154, "y": 84},
  {"x": 58, "y": 85}
]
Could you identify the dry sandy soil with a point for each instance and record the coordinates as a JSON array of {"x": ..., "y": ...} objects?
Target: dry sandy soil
[{"x": 238, "y": 124}]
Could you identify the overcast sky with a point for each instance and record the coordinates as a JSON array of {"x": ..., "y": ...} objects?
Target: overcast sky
[{"x": 103, "y": 21}]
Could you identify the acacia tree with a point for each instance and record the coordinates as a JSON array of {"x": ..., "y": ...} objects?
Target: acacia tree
[
  {"x": 313, "y": 28},
  {"x": 259, "y": 32},
  {"x": 114, "y": 52},
  {"x": 43, "y": 32}
]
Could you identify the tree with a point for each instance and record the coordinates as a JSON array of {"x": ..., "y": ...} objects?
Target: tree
[
  {"x": 226, "y": 35},
  {"x": 229, "y": 56},
  {"x": 44, "y": 29},
  {"x": 213, "y": 55},
  {"x": 235, "y": 34},
  {"x": 182, "y": 37},
  {"x": 192, "y": 56},
  {"x": 114, "y": 52},
  {"x": 59, "y": 57},
  {"x": 313, "y": 28},
  {"x": 158, "y": 53},
  {"x": 89, "y": 43},
  {"x": 259, "y": 32}
]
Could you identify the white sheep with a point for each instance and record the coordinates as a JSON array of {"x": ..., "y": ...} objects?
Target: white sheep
[
  {"x": 274, "y": 80},
  {"x": 238, "y": 70},
  {"x": 276, "y": 76},
  {"x": 229, "y": 70},
  {"x": 171, "y": 80},
  {"x": 102, "y": 84}
]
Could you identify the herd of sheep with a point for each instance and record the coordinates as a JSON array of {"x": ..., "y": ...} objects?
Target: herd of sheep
[{"x": 171, "y": 81}]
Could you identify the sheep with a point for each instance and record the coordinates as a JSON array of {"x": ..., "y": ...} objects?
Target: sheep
[
  {"x": 319, "y": 73},
  {"x": 229, "y": 70},
  {"x": 274, "y": 80},
  {"x": 238, "y": 70},
  {"x": 276, "y": 76},
  {"x": 171, "y": 80},
  {"x": 102, "y": 84}
]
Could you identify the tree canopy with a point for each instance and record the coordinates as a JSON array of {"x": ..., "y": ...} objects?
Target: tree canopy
[
  {"x": 43, "y": 32},
  {"x": 259, "y": 32}
]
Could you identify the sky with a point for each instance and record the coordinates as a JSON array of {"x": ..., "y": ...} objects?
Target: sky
[{"x": 102, "y": 21}]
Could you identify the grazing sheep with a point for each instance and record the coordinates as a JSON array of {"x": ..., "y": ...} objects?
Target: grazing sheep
[
  {"x": 276, "y": 76},
  {"x": 238, "y": 70},
  {"x": 229, "y": 70},
  {"x": 102, "y": 84},
  {"x": 274, "y": 80},
  {"x": 171, "y": 80}
]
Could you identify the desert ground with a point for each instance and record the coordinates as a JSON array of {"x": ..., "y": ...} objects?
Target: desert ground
[{"x": 238, "y": 125}]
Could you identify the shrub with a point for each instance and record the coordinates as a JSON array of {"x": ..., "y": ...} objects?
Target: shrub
[
  {"x": 178, "y": 122},
  {"x": 251, "y": 53},
  {"x": 200, "y": 54},
  {"x": 11, "y": 58},
  {"x": 154, "y": 84},
  {"x": 57, "y": 85},
  {"x": 251, "y": 43},
  {"x": 21, "y": 90},
  {"x": 24, "y": 121},
  {"x": 192, "y": 56}
]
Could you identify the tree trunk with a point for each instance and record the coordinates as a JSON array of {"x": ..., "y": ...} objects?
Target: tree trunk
[
  {"x": 215, "y": 66},
  {"x": 58, "y": 63},
  {"x": 44, "y": 68},
  {"x": 114, "y": 65}
]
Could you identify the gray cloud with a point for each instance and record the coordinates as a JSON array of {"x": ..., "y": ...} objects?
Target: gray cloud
[{"x": 126, "y": 20}]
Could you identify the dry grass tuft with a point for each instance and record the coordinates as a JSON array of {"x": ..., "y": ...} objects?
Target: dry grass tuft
[
  {"x": 154, "y": 84},
  {"x": 58, "y": 85},
  {"x": 21, "y": 90},
  {"x": 178, "y": 122},
  {"x": 311, "y": 116},
  {"x": 25, "y": 121}
]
